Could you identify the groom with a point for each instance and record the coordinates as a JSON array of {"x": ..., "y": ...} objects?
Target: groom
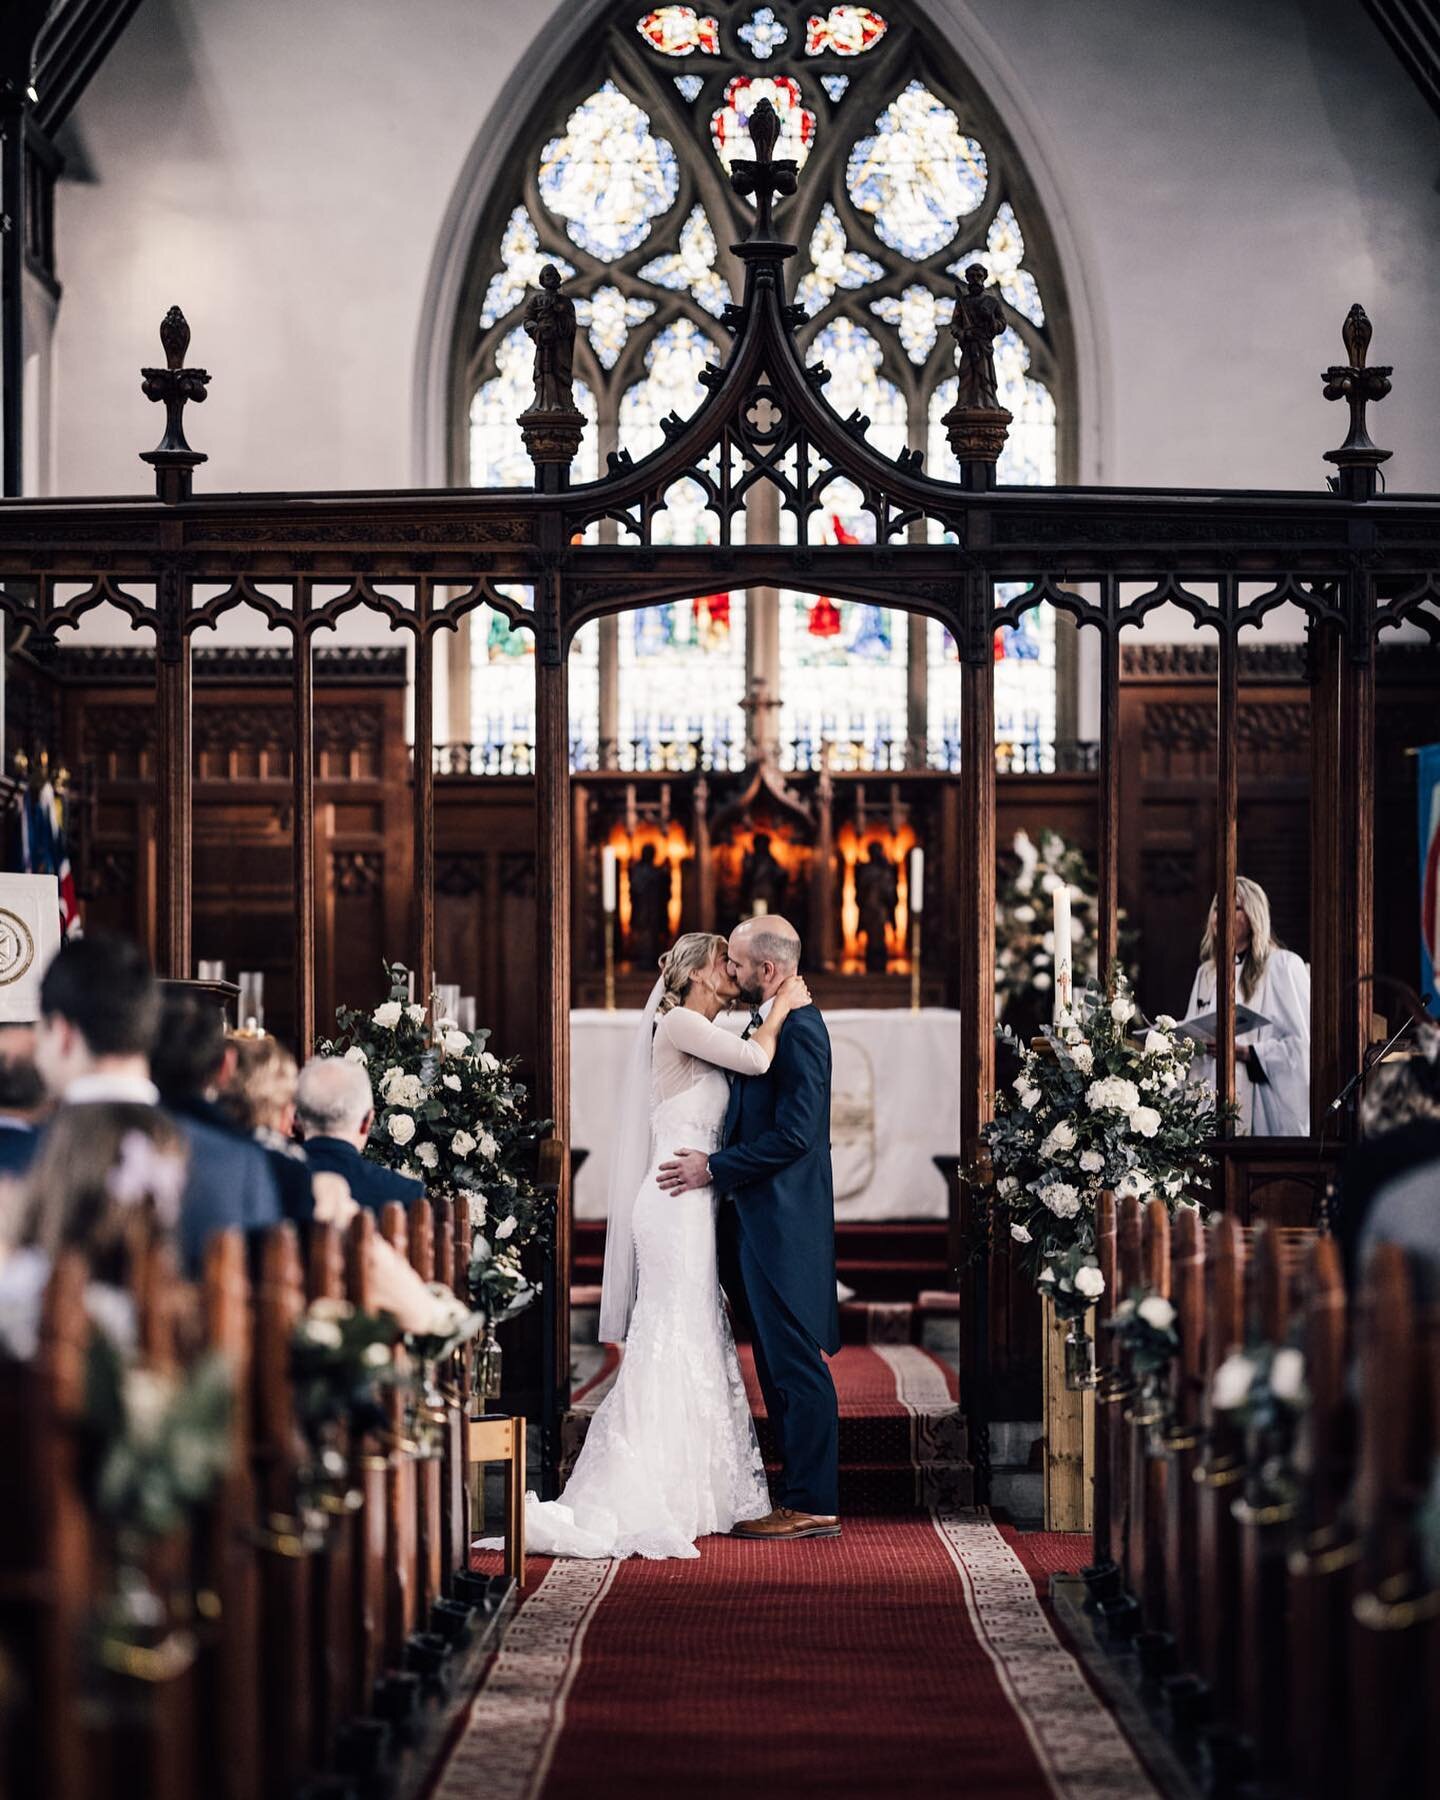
[{"x": 778, "y": 1238}]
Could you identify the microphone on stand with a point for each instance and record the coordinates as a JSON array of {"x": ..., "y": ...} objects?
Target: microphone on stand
[{"x": 1426, "y": 1002}]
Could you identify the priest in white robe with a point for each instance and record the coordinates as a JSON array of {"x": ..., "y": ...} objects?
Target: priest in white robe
[{"x": 1272, "y": 1062}]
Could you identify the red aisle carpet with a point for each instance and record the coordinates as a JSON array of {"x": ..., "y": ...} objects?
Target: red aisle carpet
[{"x": 910, "y": 1657}]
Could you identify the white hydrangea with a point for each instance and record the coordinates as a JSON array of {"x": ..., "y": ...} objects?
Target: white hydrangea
[
  {"x": 456, "y": 1043},
  {"x": 1061, "y": 1138},
  {"x": 1157, "y": 1312},
  {"x": 1145, "y": 1121},
  {"x": 1112, "y": 1093},
  {"x": 1122, "y": 1009},
  {"x": 1020, "y": 1234},
  {"x": 427, "y": 1156},
  {"x": 1062, "y": 1199},
  {"x": 1156, "y": 1043},
  {"x": 461, "y": 1144},
  {"x": 387, "y": 1017},
  {"x": 356, "y": 1055},
  {"x": 452, "y": 1082},
  {"x": 1083, "y": 1057},
  {"x": 1091, "y": 1162},
  {"x": 399, "y": 1089},
  {"x": 1089, "y": 1282},
  {"x": 401, "y": 1127}
]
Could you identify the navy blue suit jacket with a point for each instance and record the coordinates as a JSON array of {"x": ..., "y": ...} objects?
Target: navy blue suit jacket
[
  {"x": 229, "y": 1184},
  {"x": 18, "y": 1144},
  {"x": 370, "y": 1184},
  {"x": 774, "y": 1164}
]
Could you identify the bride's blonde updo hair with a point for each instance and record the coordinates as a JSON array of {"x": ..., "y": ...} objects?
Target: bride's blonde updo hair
[{"x": 682, "y": 962}]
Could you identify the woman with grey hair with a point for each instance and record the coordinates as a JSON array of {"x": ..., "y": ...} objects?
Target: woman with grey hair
[{"x": 1272, "y": 1061}]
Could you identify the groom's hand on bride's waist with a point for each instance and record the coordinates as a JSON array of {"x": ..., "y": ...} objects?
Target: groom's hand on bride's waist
[{"x": 690, "y": 1169}]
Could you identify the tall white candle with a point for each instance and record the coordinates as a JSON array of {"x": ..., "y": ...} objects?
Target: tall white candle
[
  {"x": 1062, "y": 949},
  {"x": 609, "y": 884},
  {"x": 917, "y": 880}
]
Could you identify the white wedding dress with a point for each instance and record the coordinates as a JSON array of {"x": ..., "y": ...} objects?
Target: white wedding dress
[{"x": 671, "y": 1453}]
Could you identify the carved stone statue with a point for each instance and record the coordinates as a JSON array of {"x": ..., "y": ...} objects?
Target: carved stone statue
[
  {"x": 977, "y": 321},
  {"x": 877, "y": 896},
  {"x": 762, "y": 880},
  {"x": 550, "y": 326},
  {"x": 649, "y": 907}
]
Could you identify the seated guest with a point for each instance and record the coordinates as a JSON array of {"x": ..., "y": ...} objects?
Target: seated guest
[
  {"x": 99, "y": 1020},
  {"x": 22, "y": 1098},
  {"x": 335, "y": 1110},
  {"x": 1395, "y": 1197},
  {"x": 1272, "y": 1062},
  {"x": 260, "y": 1096},
  {"x": 101, "y": 1171}
]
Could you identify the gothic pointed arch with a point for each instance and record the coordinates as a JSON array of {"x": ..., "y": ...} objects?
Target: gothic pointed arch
[{"x": 619, "y": 176}]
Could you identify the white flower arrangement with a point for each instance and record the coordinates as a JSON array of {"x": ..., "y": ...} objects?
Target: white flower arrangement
[{"x": 1072, "y": 1123}]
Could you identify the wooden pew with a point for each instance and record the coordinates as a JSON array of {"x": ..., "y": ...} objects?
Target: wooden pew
[
  {"x": 1105, "y": 1555},
  {"x": 1324, "y": 1555},
  {"x": 227, "y": 1566},
  {"x": 1122, "y": 1614},
  {"x": 430, "y": 1471},
  {"x": 454, "y": 1518},
  {"x": 335, "y": 1637},
  {"x": 402, "y": 1572},
  {"x": 286, "y": 1663},
  {"x": 1182, "y": 1548},
  {"x": 1145, "y": 1569},
  {"x": 1221, "y": 1468},
  {"x": 367, "y": 1613}
]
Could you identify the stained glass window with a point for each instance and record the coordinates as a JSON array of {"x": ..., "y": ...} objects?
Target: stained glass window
[
  {"x": 608, "y": 176},
  {"x": 919, "y": 175},
  {"x": 621, "y": 186}
]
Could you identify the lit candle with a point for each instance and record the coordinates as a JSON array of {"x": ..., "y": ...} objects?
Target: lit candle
[
  {"x": 761, "y": 908},
  {"x": 1062, "y": 950},
  {"x": 917, "y": 880},
  {"x": 609, "y": 886}
]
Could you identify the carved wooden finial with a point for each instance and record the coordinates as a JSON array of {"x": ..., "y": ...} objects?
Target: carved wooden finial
[
  {"x": 172, "y": 459},
  {"x": 763, "y": 177},
  {"x": 1358, "y": 459}
]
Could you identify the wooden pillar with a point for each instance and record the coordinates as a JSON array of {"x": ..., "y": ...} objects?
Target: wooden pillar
[
  {"x": 303, "y": 825},
  {"x": 173, "y": 752},
  {"x": 1355, "y": 836},
  {"x": 977, "y": 887},
  {"x": 1326, "y": 887},
  {"x": 1227, "y": 816},
  {"x": 1109, "y": 859},
  {"x": 423, "y": 796},
  {"x": 917, "y": 692},
  {"x": 552, "y": 891}
]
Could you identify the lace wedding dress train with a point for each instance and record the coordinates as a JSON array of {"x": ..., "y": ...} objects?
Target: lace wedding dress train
[{"x": 671, "y": 1453}]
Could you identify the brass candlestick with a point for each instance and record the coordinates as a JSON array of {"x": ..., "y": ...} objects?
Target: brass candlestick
[
  {"x": 609, "y": 962},
  {"x": 915, "y": 963}
]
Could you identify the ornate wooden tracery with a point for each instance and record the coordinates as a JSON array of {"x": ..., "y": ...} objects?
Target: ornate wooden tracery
[{"x": 1353, "y": 563}]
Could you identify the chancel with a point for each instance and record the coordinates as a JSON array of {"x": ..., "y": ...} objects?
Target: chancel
[{"x": 781, "y": 666}]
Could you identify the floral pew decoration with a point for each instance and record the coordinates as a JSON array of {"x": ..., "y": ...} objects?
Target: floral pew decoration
[
  {"x": 341, "y": 1361},
  {"x": 1145, "y": 1323},
  {"x": 1099, "y": 1103},
  {"x": 452, "y": 1114}
]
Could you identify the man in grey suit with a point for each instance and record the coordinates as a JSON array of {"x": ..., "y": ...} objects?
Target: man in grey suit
[{"x": 99, "y": 1019}]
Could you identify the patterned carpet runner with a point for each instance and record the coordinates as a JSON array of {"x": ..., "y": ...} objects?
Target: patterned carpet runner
[{"x": 910, "y": 1657}]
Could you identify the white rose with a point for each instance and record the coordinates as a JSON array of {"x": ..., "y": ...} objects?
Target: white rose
[
  {"x": 427, "y": 1156},
  {"x": 401, "y": 1127},
  {"x": 1025, "y": 914},
  {"x": 1122, "y": 1009},
  {"x": 1232, "y": 1382},
  {"x": 147, "y": 1400},
  {"x": 452, "y": 1082},
  {"x": 387, "y": 1017},
  {"x": 1061, "y": 1138},
  {"x": 324, "y": 1332},
  {"x": 1089, "y": 1282},
  {"x": 1021, "y": 1083},
  {"x": 1112, "y": 1094},
  {"x": 505, "y": 1228},
  {"x": 488, "y": 1146},
  {"x": 1134, "y": 1181},
  {"x": 1040, "y": 979},
  {"x": 1156, "y": 1043},
  {"x": 1145, "y": 1120},
  {"x": 1051, "y": 884},
  {"x": 1083, "y": 1057},
  {"x": 461, "y": 1144},
  {"x": 1030, "y": 1100},
  {"x": 1091, "y": 1161},
  {"x": 417, "y": 1013},
  {"x": 356, "y": 1055},
  {"x": 1157, "y": 1312},
  {"x": 1062, "y": 1199},
  {"x": 393, "y": 1074},
  {"x": 1020, "y": 1234},
  {"x": 1287, "y": 1375},
  {"x": 1166, "y": 1021},
  {"x": 456, "y": 1043},
  {"x": 488, "y": 1062},
  {"x": 1047, "y": 1274}
]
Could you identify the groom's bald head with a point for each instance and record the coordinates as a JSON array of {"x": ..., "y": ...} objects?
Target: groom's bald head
[{"x": 763, "y": 951}]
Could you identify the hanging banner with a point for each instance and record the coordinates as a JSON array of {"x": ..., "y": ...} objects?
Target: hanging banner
[
  {"x": 29, "y": 937},
  {"x": 1429, "y": 792}
]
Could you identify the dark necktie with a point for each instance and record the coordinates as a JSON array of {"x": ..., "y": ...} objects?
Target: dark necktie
[{"x": 755, "y": 1022}]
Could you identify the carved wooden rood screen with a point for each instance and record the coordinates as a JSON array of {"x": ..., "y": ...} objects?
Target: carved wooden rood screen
[{"x": 1353, "y": 563}]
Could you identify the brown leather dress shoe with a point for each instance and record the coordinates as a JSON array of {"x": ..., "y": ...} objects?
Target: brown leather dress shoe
[{"x": 783, "y": 1524}]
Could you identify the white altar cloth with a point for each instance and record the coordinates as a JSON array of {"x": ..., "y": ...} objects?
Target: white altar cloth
[{"x": 895, "y": 1104}]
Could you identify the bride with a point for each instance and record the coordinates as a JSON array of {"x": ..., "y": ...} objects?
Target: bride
[{"x": 671, "y": 1454}]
